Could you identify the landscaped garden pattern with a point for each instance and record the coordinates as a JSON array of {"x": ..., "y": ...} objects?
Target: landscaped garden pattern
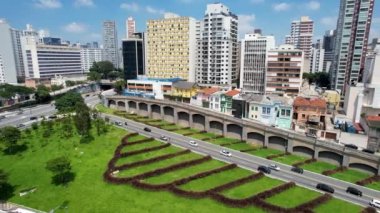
[
  {"x": 189, "y": 175},
  {"x": 352, "y": 176}
]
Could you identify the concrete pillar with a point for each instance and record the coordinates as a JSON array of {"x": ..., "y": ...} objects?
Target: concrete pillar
[
  {"x": 126, "y": 106},
  {"x": 138, "y": 108},
  {"x": 266, "y": 141},
  {"x": 378, "y": 168},
  {"x": 346, "y": 160},
  {"x": 175, "y": 117},
  {"x": 207, "y": 124},
  {"x": 224, "y": 129},
  {"x": 244, "y": 136},
  {"x": 190, "y": 120},
  {"x": 162, "y": 112},
  {"x": 290, "y": 145},
  {"x": 316, "y": 151},
  {"x": 149, "y": 110}
]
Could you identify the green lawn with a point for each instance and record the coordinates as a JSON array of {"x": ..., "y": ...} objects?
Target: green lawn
[
  {"x": 297, "y": 194},
  {"x": 351, "y": 175},
  {"x": 240, "y": 146},
  {"x": 265, "y": 152},
  {"x": 338, "y": 206},
  {"x": 216, "y": 180},
  {"x": 203, "y": 135},
  {"x": 186, "y": 131},
  {"x": 224, "y": 140},
  {"x": 252, "y": 188},
  {"x": 135, "y": 147},
  {"x": 157, "y": 165},
  {"x": 319, "y": 167},
  {"x": 171, "y": 127},
  {"x": 185, "y": 172},
  {"x": 290, "y": 159},
  {"x": 136, "y": 138},
  {"x": 159, "y": 123},
  {"x": 147, "y": 155},
  {"x": 103, "y": 109},
  {"x": 374, "y": 185}
]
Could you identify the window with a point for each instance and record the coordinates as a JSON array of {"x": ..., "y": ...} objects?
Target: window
[
  {"x": 256, "y": 109},
  {"x": 303, "y": 116},
  {"x": 282, "y": 112},
  {"x": 288, "y": 112},
  {"x": 266, "y": 110}
]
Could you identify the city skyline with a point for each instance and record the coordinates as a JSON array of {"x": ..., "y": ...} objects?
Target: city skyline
[{"x": 81, "y": 20}]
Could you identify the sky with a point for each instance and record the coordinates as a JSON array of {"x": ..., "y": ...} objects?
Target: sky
[{"x": 81, "y": 20}]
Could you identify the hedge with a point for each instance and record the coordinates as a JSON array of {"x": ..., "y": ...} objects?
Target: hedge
[
  {"x": 333, "y": 171},
  {"x": 270, "y": 157},
  {"x": 125, "y": 154},
  {"x": 304, "y": 162},
  {"x": 369, "y": 180}
]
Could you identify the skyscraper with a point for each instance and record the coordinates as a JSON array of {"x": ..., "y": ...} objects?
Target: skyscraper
[
  {"x": 16, "y": 42},
  {"x": 130, "y": 27},
  {"x": 352, "y": 30},
  {"x": 301, "y": 35},
  {"x": 254, "y": 60},
  {"x": 133, "y": 56},
  {"x": 110, "y": 48},
  {"x": 217, "y": 47},
  {"x": 88, "y": 56},
  {"x": 328, "y": 46},
  {"x": 317, "y": 57},
  {"x": 8, "y": 69},
  {"x": 171, "y": 47}
]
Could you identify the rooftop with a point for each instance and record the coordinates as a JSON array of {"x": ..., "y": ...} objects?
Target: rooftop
[
  {"x": 315, "y": 102},
  {"x": 232, "y": 93},
  {"x": 209, "y": 91},
  {"x": 373, "y": 121},
  {"x": 184, "y": 84}
]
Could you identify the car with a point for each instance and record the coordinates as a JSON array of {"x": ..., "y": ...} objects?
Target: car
[
  {"x": 225, "y": 153},
  {"x": 52, "y": 116},
  {"x": 375, "y": 203},
  {"x": 118, "y": 123},
  {"x": 325, "y": 187},
  {"x": 20, "y": 112},
  {"x": 88, "y": 95},
  {"x": 274, "y": 167},
  {"x": 368, "y": 151},
  {"x": 297, "y": 170},
  {"x": 354, "y": 191},
  {"x": 125, "y": 123},
  {"x": 164, "y": 138},
  {"x": 264, "y": 169},
  {"x": 311, "y": 135},
  {"x": 193, "y": 143},
  {"x": 146, "y": 129},
  {"x": 2, "y": 117},
  {"x": 351, "y": 146},
  {"x": 33, "y": 118},
  {"x": 20, "y": 125}
]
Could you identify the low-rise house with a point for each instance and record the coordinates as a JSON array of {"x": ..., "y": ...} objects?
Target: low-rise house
[
  {"x": 332, "y": 98},
  {"x": 150, "y": 87},
  {"x": 183, "y": 91},
  {"x": 226, "y": 101},
  {"x": 309, "y": 115},
  {"x": 215, "y": 101},
  {"x": 201, "y": 99},
  {"x": 271, "y": 110},
  {"x": 371, "y": 125}
]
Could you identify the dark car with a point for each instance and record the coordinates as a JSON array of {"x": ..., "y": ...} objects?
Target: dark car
[
  {"x": 33, "y": 118},
  {"x": 52, "y": 116},
  {"x": 125, "y": 123},
  {"x": 325, "y": 187},
  {"x": 20, "y": 125},
  {"x": 146, "y": 129},
  {"x": 264, "y": 169},
  {"x": 351, "y": 146},
  {"x": 2, "y": 117},
  {"x": 369, "y": 151},
  {"x": 297, "y": 170},
  {"x": 354, "y": 191}
]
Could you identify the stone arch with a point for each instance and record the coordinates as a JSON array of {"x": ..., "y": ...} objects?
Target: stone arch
[
  {"x": 304, "y": 151},
  {"x": 112, "y": 104},
  {"x": 363, "y": 168},
  {"x": 330, "y": 157},
  {"x": 277, "y": 142},
  {"x": 216, "y": 127},
  {"x": 132, "y": 105},
  {"x": 169, "y": 114},
  {"x": 183, "y": 119},
  {"x": 234, "y": 131},
  {"x": 156, "y": 111},
  {"x": 256, "y": 138},
  {"x": 199, "y": 122},
  {"x": 143, "y": 109},
  {"x": 121, "y": 105}
]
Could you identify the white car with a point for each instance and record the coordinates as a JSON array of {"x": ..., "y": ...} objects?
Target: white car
[
  {"x": 193, "y": 143},
  {"x": 225, "y": 153},
  {"x": 164, "y": 138},
  {"x": 274, "y": 167},
  {"x": 375, "y": 203}
]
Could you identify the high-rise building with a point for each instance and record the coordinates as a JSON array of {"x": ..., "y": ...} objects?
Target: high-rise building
[
  {"x": 171, "y": 47},
  {"x": 328, "y": 46},
  {"x": 284, "y": 73},
  {"x": 133, "y": 56},
  {"x": 301, "y": 35},
  {"x": 8, "y": 70},
  {"x": 317, "y": 58},
  {"x": 88, "y": 56},
  {"x": 217, "y": 47},
  {"x": 254, "y": 60},
  {"x": 51, "y": 41},
  {"x": 130, "y": 27},
  {"x": 16, "y": 42},
  {"x": 354, "y": 23},
  {"x": 110, "y": 48}
]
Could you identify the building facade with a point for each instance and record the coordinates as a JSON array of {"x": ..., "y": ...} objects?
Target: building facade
[
  {"x": 301, "y": 35},
  {"x": 217, "y": 47},
  {"x": 133, "y": 56},
  {"x": 90, "y": 55},
  {"x": 8, "y": 72},
  {"x": 171, "y": 47},
  {"x": 110, "y": 47},
  {"x": 284, "y": 73},
  {"x": 352, "y": 31},
  {"x": 317, "y": 58},
  {"x": 254, "y": 60},
  {"x": 17, "y": 48},
  {"x": 150, "y": 88},
  {"x": 328, "y": 46},
  {"x": 130, "y": 26}
]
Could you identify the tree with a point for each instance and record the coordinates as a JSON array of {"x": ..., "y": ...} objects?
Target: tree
[
  {"x": 56, "y": 87},
  {"x": 67, "y": 128},
  {"x": 67, "y": 102},
  {"x": 9, "y": 136},
  {"x": 94, "y": 76},
  {"x": 113, "y": 75},
  {"x": 61, "y": 167},
  {"x": 42, "y": 94},
  {"x": 70, "y": 83},
  {"x": 103, "y": 68},
  {"x": 6, "y": 190},
  {"x": 82, "y": 119},
  {"x": 8, "y": 91},
  {"x": 322, "y": 79},
  {"x": 119, "y": 86}
]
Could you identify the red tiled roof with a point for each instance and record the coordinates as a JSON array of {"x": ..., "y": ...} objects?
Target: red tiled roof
[
  {"x": 358, "y": 127},
  {"x": 209, "y": 91},
  {"x": 315, "y": 102},
  {"x": 232, "y": 92},
  {"x": 373, "y": 118}
]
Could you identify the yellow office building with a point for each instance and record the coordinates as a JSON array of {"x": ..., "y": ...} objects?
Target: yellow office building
[{"x": 170, "y": 47}]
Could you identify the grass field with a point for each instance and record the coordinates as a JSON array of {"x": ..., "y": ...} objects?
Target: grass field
[
  {"x": 139, "y": 146},
  {"x": 374, "y": 185},
  {"x": 265, "y": 152},
  {"x": 290, "y": 159},
  {"x": 299, "y": 196},
  {"x": 240, "y": 146},
  {"x": 351, "y": 175},
  {"x": 337, "y": 206},
  {"x": 319, "y": 167},
  {"x": 203, "y": 135},
  {"x": 252, "y": 188},
  {"x": 103, "y": 109},
  {"x": 186, "y": 131},
  {"x": 136, "y": 138},
  {"x": 224, "y": 140}
]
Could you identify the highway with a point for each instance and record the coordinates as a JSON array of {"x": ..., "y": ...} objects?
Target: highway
[{"x": 247, "y": 161}]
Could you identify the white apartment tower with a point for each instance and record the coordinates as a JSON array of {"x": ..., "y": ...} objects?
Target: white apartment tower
[
  {"x": 171, "y": 47},
  {"x": 8, "y": 67},
  {"x": 110, "y": 48},
  {"x": 88, "y": 56},
  {"x": 217, "y": 47},
  {"x": 254, "y": 61},
  {"x": 301, "y": 35},
  {"x": 130, "y": 27},
  {"x": 317, "y": 58}
]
